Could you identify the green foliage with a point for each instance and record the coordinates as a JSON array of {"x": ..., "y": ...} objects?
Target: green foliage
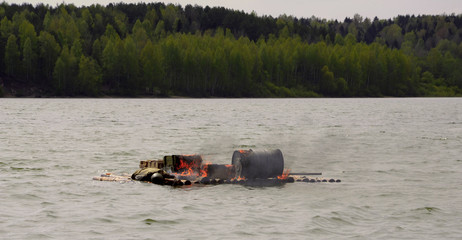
[
  {"x": 63, "y": 26},
  {"x": 12, "y": 57},
  {"x": 152, "y": 69},
  {"x": 48, "y": 54},
  {"x": 162, "y": 50},
  {"x": 328, "y": 84},
  {"x": 90, "y": 77},
  {"x": 65, "y": 73},
  {"x": 339, "y": 39},
  {"x": 28, "y": 60},
  {"x": 130, "y": 67},
  {"x": 27, "y": 31},
  {"x": 112, "y": 65},
  {"x": 392, "y": 35},
  {"x": 159, "y": 32}
]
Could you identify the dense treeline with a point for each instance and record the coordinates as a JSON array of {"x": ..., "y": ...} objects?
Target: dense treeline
[{"x": 161, "y": 50}]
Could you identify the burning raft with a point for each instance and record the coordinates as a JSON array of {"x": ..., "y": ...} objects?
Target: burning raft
[{"x": 248, "y": 167}]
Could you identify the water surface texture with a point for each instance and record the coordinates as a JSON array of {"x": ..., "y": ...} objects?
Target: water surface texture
[{"x": 400, "y": 162}]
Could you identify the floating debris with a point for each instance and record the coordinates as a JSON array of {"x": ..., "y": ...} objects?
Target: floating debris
[{"x": 248, "y": 167}]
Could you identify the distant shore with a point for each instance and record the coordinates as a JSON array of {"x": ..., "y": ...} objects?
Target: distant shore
[{"x": 162, "y": 51}]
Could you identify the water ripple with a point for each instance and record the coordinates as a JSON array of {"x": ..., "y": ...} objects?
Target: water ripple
[{"x": 398, "y": 160}]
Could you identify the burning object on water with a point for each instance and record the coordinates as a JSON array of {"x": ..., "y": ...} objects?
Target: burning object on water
[
  {"x": 263, "y": 164},
  {"x": 248, "y": 167}
]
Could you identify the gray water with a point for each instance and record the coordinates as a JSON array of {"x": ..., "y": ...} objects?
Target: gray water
[{"x": 399, "y": 161}]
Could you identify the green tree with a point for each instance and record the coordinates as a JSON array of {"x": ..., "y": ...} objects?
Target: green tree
[
  {"x": 152, "y": 17},
  {"x": 241, "y": 65},
  {"x": 27, "y": 31},
  {"x": 111, "y": 33},
  {"x": 97, "y": 50},
  {"x": 111, "y": 67},
  {"x": 159, "y": 32},
  {"x": 12, "y": 57},
  {"x": 49, "y": 52},
  {"x": 140, "y": 36},
  {"x": 63, "y": 25},
  {"x": 28, "y": 60},
  {"x": 114, "y": 66},
  {"x": 121, "y": 22},
  {"x": 350, "y": 39},
  {"x": 90, "y": 76},
  {"x": 328, "y": 84},
  {"x": 65, "y": 73},
  {"x": 339, "y": 39},
  {"x": 393, "y": 35},
  {"x": 152, "y": 70},
  {"x": 76, "y": 48},
  {"x": 169, "y": 15},
  {"x": 6, "y": 29},
  {"x": 130, "y": 67},
  {"x": 195, "y": 51}
]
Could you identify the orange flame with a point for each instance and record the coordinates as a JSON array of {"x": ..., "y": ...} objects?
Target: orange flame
[
  {"x": 238, "y": 179},
  {"x": 285, "y": 174},
  {"x": 186, "y": 169},
  {"x": 187, "y": 172},
  {"x": 192, "y": 169},
  {"x": 203, "y": 171}
]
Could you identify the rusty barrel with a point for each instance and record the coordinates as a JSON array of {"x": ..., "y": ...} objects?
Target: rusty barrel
[{"x": 261, "y": 164}]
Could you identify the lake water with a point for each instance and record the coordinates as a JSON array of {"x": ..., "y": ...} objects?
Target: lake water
[{"x": 400, "y": 162}]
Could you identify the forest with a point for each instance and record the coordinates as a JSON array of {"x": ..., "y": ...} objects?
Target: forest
[{"x": 159, "y": 50}]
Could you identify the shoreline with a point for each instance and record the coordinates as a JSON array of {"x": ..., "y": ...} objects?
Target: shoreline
[{"x": 31, "y": 91}]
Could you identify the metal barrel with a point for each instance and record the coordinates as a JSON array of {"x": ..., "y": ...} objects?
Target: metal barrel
[{"x": 261, "y": 164}]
